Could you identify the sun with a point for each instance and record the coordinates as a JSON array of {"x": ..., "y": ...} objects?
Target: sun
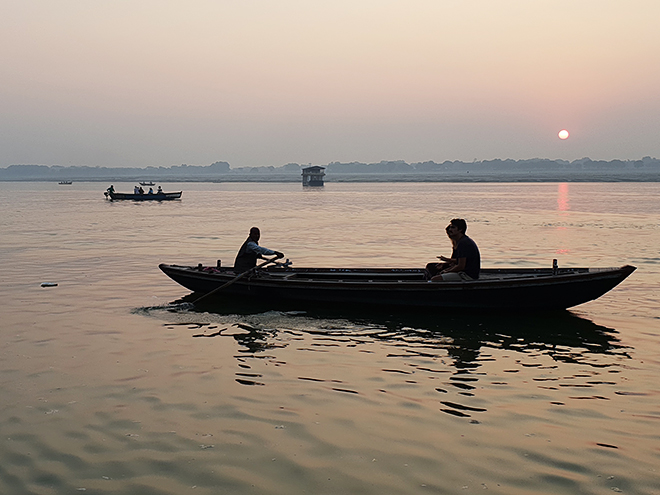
[{"x": 563, "y": 134}]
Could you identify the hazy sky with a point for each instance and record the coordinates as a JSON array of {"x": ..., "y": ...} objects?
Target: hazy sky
[{"x": 263, "y": 82}]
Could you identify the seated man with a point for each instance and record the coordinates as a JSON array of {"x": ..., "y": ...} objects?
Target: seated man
[
  {"x": 465, "y": 261},
  {"x": 250, "y": 251}
]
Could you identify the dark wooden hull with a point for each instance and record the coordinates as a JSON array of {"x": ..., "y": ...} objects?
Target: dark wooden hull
[
  {"x": 143, "y": 197},
  {"x": 497, "y": 289}
]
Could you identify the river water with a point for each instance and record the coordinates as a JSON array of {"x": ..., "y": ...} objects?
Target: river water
[{"x": 107, "y": 389}]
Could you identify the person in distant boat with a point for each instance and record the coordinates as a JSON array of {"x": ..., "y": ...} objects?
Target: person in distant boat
[
  {"x": 160, "y": 190},
  {"x": 465, "y": 261},
  {"x": 251, "y": 251},
  {"x": 151, "y": 190}
]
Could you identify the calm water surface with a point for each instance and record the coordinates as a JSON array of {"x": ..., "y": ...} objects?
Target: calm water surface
[{"x": 107, "y": 389}]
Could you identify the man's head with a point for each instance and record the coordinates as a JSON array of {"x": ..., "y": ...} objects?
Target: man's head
[
  {"x": 255, "y": 234},
  {"x": 456, "y": 227}
]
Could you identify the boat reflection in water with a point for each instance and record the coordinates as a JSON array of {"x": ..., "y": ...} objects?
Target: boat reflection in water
[
  {"x": 562, "y": 335},
  {"x": 465, "y": 363}
]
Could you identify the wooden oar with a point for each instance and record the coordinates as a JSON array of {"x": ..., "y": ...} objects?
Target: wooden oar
[{"x": 235, "y": 279}]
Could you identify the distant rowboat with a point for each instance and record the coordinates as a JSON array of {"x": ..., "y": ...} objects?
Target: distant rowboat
[
  {"x": 147, "y": 183},
  {"x": 163, "y": 196},
  {"x": 65, "y": 183}
]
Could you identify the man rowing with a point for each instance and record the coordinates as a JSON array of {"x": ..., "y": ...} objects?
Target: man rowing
[{"x": 251, "y": 251}]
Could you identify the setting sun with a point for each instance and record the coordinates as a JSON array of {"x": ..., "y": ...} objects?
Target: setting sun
[{"x": 563, "y": 134}]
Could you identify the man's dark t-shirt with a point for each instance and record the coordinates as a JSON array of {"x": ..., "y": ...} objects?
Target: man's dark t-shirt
[{"x": 468, "y": 249}]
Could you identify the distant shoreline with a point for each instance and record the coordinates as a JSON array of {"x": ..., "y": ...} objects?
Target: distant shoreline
[
  {"x": 370, "y": 178},
  {"x": 533, "y": 170}
]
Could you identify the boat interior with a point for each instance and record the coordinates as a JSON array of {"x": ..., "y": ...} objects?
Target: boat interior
[{"x": 389, "y": 274}]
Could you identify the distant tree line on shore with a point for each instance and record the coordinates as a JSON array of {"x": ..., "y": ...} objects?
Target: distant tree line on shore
[{"x": 386, "y": 170}]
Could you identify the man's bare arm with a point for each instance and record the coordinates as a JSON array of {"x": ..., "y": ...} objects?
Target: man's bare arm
[{"x": 458, "y": 267}]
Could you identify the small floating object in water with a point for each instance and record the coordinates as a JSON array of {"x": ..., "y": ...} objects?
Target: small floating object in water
[{"x": 48, "y": 284}]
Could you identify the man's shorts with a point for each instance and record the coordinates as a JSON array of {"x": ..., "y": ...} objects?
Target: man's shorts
[{"x": 455, "y": 277}]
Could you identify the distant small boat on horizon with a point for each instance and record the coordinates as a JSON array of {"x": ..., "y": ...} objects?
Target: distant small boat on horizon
[
  {"x": 150, "y": 183},
  {"x": 65, "y": 182}
]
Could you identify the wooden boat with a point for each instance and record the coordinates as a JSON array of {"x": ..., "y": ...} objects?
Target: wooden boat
[
  {"x": 143, "y": 197},
  {"x": 147, "y": 183},
  {"x": 513, "y": 289},
  {"x": 65, "y": 182}
]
